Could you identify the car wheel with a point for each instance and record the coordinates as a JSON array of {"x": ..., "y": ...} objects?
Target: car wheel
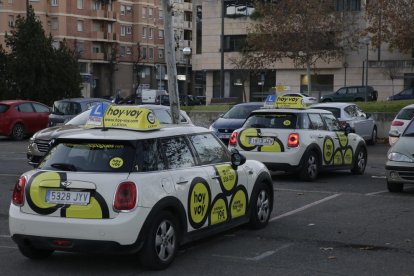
[
  {"x": 34, "y": 253},
  {"x": 260, "y": 207},
  {"x": 161, "y": 244},
  {"x": 373, "y": 139},
  {"x": 360, "y": 161},
  {"x": 309, "y": 170},
  {"x": 18, "y": 132},
  {"x": 395, "y": 187}
]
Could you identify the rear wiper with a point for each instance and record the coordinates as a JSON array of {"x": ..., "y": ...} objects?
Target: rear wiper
[{"x": 64, "y": 166}]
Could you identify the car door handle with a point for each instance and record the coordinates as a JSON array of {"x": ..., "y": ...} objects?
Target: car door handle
[
  {"x": 215, "y": 177},
  {"x": 181, "y": 181},
  {"x": 320, "y": 136}
]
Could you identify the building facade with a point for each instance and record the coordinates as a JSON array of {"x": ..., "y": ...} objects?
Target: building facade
[
  {"x": 119, "y": 44},
  {"x": 388, "y": 72}
]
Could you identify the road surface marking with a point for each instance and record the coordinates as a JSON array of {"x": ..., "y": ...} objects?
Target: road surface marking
[
  {"x": 304, "y": 207},
  {"x": 7, "y": 174},
  {"x": 5, "y": 236},
  {"x": 254, "y": 259},
  {"x": 379, "y": 176},
  {"x": 375, "y": 193},
  {"x": 10, "y": 247},
  {"x": 301, "y": 191}
]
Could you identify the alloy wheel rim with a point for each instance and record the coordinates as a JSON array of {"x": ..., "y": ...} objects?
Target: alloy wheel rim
[
  {"x": 312, "y": 166},
  {"x": 262, "y": 206},
  {"x": 361, "y": 160},
  {"x": 165, "y": 240}
]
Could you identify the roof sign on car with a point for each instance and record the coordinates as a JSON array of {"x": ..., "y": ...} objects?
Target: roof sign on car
[
  {"x": 96, "y": 115},
  {"x": 133, "y": 118},
  {"x": 289, "y": 102}
]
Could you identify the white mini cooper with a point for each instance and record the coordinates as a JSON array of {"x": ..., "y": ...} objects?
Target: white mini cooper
[
  {"x": 299, "y": 140},
  {"x": 146, "y": 191}
]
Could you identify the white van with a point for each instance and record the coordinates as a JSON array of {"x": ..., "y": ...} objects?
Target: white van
[{"x": 149, "y": 96}]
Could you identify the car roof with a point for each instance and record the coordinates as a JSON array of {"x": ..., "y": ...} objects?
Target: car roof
[
  {"x": 337, "y": 105},
  {"x": 80, "y": 100},
  {"x": 408, "y": 106},
  {"x": 128, "y": 135},
  {"x": 289, "y": 110},
  {"x": 250, "y": 103},
  {"x": 11, "y": 102}
]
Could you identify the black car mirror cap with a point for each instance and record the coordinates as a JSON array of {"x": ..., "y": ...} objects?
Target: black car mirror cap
[{"x": 237, "y": 159}]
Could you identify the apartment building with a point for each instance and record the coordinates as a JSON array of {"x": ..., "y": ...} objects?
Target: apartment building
[
  {"x": 119, "y": 44},
  {"x": 213, "y": 62}
]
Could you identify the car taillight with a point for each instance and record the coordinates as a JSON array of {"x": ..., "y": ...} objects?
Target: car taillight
[
  {"x": 125, "y": 196},
  {"x": 18, "y": 192},
  {"x": 293, "y": 140},
  {"x": 397, "y": 123},
  {"x": 233, "y": 138}
]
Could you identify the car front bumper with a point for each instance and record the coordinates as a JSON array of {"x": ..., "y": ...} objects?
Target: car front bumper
[{"x": 399, "y": 172}]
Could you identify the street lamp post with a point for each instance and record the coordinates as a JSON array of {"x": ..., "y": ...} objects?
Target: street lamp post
[
  {"x": 187, "y": 54},
  {"x": 366, "y": 41}
]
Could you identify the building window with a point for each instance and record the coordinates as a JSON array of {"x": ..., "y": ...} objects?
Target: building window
[
  {"x": 55, "y": 44},
  {"x": 10, "y": 1},
  {"x": 10, "y": 21},
  {"x": 122, "y": 50},
  {"x": 122, "y": 10},
  {"x": 348, "y": 5},
  {"x": 54, "y": 3},
  {"x": 161, "y": 14},
  {"x": 122, "y": 30},
  {"x": 80, "y": 47},
  {"x": 129, "y": 30},
  {"x": 96, "y": 6},
  {"x": 161, "y": 34},
  {"x": 128, "y": 50},
  {"x": 80, "y": 26},
  {"x": 150, "y": 13},
  {"x": 160, "y": 53},
  {"x": 144, "y": 12},
  {"x": 151, "y": 31},
  {"x": 144, "y": 32},
  {"x": 54, "y": 23},
  {"x": 144, "y": 53},
  {"x": 199, "y": 29},
  {"x": 80, "y": 4},
  {"x": 128, "y": 10},
  {"x": 151, "y": 53},
  {"x": 238, "y": 8},
  {"x": 96, "y": 48},
  {"x": 234, "y": 43}
]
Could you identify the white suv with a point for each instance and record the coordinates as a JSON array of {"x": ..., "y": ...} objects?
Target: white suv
[{"x": 300, "y": 140}]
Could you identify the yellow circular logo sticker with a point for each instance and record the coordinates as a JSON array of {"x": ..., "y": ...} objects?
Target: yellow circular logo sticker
[
  {"x": 343, "y": 139},
  {"x": 286, "y": 123},
  {"x": 328, "y": 150},
  {"x": 219, "y": 211},
  {"x": 348, "y": 155},
  {"x": 198, "y": 202},
  {"x": 116, "y": 162},
  {"x": 245, "y": 136},
  {"x": 238, "y": 204},
  {"x": 338, "y": 158},
  {"x": 227, "y": 178}
]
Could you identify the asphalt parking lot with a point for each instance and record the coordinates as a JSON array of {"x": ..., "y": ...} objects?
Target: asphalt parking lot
[{"x": 341, "y": 224}]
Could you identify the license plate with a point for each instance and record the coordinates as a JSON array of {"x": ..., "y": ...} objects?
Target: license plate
[
  {"x": 260, "y": 141},
  {"x": 224, "y": 136},
  {"x": 68, "y": 197}
]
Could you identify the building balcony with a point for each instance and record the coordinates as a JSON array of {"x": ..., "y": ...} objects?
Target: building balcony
[
  {"x": 188, "y": 25},
  {"x": 188, "y": 6},
  {"x": 98, "y": 56},
  {"x": 104, "y": 15},
  {"x": 104, "y": 37}
]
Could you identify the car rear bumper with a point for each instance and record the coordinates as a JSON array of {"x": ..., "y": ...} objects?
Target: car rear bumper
[
  {"x": 122, "y": 230},
  {"x": 288, "y": 160}
]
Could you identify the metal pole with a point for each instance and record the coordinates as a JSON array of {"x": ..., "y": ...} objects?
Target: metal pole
[
  {"x": 363, "y": 72},
  {"x": 222, "y": 52},
  {"x": 366, "y": 74}
]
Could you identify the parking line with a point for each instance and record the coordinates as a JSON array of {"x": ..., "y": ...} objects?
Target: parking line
[
  {"x": 304, "y": 207},
  {"x": 301, "y": 191},
  {"x": 5, "y": 236},
  {"x": 254, "y": 259},
  {"x": 9, "y": 247},
  {"x": 375, "y": 193},
  {"x": 7, "y": 174}
]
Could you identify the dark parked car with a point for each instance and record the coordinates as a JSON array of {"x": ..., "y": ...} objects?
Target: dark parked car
[
  {"x": 233, "y": 119},
  {"x": 351, "y": 94},
  {"x": 19, "y": 119},
  {"x": 406, "y": 94},
  {"x": 66, "y": 109}
]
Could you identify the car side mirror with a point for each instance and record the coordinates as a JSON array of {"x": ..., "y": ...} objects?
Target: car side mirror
[
  {"x": 368, "y": 115},
  {"x": 237, "y": 159},
  {"x": 394, "y": 133},
  {"x": 347, "y": 129},
  {"x": 221, "y": 115}
]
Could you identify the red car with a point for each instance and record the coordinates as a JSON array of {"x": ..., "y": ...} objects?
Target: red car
[{"x": 19, "y": 118}]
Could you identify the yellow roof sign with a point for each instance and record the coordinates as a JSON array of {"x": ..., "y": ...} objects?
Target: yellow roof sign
[
  {"x": 127, "y": 117},
  {"x": 289, "y": 102}
]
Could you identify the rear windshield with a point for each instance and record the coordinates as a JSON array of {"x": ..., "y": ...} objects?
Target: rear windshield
[
  {"x": 90, "y": 157},
  {"x": 3, "y": 108},
  {"x": 335, "y": 111},
  {"x": 406, "y": 114},
  {"x": 277, "y": 120},
  {"x": 66, "y": 108}
]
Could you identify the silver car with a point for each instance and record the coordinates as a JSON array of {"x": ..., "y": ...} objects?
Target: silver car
[
  {"x": 40, "y": 142},
  {"x": 360, "y": 122},
  {"x": 400, "y": 122},
  {"x": 400, "y": 160}
]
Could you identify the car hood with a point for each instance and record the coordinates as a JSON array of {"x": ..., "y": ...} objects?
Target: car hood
[
  {"x": 228, "y": 123},
  {"x": 404, "y": 145},
  {"x": 54, "y": 132}
]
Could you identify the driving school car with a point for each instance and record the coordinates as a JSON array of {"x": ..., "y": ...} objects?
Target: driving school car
[
  {"x": 129, "y": 185},
  {"x": 286, "y": 137}
]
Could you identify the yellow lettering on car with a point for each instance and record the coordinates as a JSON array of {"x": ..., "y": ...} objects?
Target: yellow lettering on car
[
  {"x": 219, "y": 211},
  {"x": 348, "y": 156},
  {"x": 238, "y": 203},
  {"x": 198, "y": 202},
  {"x": 328, "y": 150},
  {"x": 227, "y": 178},
  {"x": 338, "y": 158},
  {"x": 343, "y": 139},
  {"x": 130, "y": 118}
]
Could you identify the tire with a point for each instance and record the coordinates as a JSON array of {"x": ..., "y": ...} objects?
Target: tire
[
  {"x": 373, "y": 139},
  {"x": 327, "y": 101},
  {"x": 309, "y": 168},
  {"x": 360, "y": 161},
  {"x": 34, "y": 253},
  {"x": 18, "y": 132},
  {"x": 395, "y": 187},
  {"x": 160, "y": 247},
  {"x": 261, "y": 205}
]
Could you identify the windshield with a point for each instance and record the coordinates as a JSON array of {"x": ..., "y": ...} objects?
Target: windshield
[
  {"x": 88, "y": 156},
  {"x": 240, "y": 111},
  {"x": 406, "y": 114},
  {"x": 335, "y": 111},
  {"x": 279, "y": 120},
  {"x": 66, "y": 108},
  {"x": 3, "y": 108},
  {"x": 79, "y": 120},
  {"x": 409, "y": 131}
]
